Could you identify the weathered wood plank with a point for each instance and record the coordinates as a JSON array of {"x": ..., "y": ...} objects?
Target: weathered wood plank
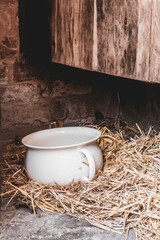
[
  {"x": 116, "y": 37},
  {"x": 72, "y": 27},
  {"x": 105, "y": 36},
  {"x": 123, "y": 30},
  {"x": 154, "y": 75},
  {"x": 126, "y": 31},
  {"x": 144, "y": 39}
]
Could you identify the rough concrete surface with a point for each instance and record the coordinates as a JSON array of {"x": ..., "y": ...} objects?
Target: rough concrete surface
[{"x": 21, "y": 224}]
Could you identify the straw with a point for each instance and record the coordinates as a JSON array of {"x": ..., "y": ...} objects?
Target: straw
[{"x": 124, "y": 195}]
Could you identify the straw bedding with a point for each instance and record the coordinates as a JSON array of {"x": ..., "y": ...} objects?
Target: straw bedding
[{"x": 124, "y": 195}]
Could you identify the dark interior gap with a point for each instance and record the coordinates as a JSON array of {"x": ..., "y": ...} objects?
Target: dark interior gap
[{"x": 34, "y": 29}]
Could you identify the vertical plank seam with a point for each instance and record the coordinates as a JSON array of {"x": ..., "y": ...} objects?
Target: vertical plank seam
[
  {"x": 114, "y": 41},
  {"x": 94, "y": 49},
  {"x": 150, "y": 44}
]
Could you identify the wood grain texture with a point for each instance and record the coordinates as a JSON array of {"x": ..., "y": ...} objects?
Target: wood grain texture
[
  {"x": 154, "y": 75},
  {"x": 117, "y": 30},
  {"x": 72, "y": 27},
  {"x": 115, "y": 37},
  {"x": 144, "y": 39}
]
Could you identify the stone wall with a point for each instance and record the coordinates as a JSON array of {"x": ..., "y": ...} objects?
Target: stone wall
[
  {"x": 9, "y": 46},
  {"x": 36, "y": 93}
]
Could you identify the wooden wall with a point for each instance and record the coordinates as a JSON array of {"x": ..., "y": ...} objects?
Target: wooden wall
[
  {"x": 119, "y": 37},
  {"x": 73, "y": 32}
]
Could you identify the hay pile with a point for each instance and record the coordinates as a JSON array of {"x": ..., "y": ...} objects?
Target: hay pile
[{"x": 125, "y": 195}]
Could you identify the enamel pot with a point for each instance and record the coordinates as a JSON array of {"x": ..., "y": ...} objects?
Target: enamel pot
[{"x": 61, "y": 155}]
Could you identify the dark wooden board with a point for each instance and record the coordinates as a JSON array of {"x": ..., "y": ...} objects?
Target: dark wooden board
[{"x": 120, "y": 38}]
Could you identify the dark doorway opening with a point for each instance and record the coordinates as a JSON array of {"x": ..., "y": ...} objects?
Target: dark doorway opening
[{"x": 34, "y": 29}]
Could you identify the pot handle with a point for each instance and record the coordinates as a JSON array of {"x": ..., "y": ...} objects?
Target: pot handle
[{"x": 91, "y": 162}]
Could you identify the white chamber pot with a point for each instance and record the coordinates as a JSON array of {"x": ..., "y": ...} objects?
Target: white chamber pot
[{"x": 61, "y": 155}]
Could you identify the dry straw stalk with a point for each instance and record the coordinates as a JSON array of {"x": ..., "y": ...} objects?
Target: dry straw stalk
[{"x": 124, "y": 195}]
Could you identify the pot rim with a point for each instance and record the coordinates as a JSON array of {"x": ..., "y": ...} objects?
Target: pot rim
[{"x": 30, "y": 139}]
